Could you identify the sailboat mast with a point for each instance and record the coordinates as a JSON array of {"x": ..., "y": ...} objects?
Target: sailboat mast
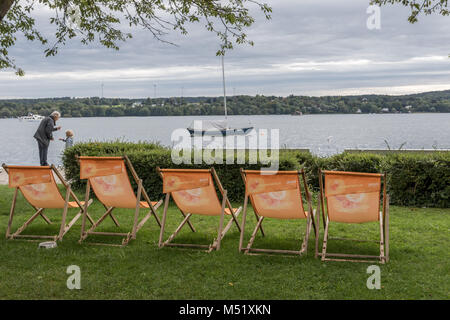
[{"x": 224, "y": 90}]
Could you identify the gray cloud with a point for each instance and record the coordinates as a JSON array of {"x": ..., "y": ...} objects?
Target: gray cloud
[{"x": 309, "y": 47}]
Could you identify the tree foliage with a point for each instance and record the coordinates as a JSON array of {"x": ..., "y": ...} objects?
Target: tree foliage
[
  {"x": 418, "y": 7},
  {"x": 237, "y": 105},
  {"x": 109, "y": 22}
]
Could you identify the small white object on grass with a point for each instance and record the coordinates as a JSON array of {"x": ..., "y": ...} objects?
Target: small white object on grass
[{"x": 48, "y": 244}]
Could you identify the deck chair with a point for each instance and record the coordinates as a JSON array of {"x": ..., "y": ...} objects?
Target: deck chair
[
  {"x": 109, "y": 180},
  {"x": 38, "y": 186},
  {"x": 276, "y": 195},
  {"x": 194, "y": 192},
  {"x": 353, "y": 197}
]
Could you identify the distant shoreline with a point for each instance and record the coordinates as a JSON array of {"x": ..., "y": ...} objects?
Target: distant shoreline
[
  {"x": 244, "y": 115},
  {"x": 429, "y": 102}
]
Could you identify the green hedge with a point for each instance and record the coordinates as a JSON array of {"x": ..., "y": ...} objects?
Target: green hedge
[
  {"x": 413, "y": 179},
  {"x": 419, "y": 180}
]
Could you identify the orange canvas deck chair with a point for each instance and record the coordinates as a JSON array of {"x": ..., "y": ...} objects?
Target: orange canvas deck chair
[
  {"x": 109, "y": 180},
  {"x": 354, "y": 197},
  {"x": 276, "y": 195},
  {"x": 38, "y": 186},
  {"x": 194, "y": 192}
]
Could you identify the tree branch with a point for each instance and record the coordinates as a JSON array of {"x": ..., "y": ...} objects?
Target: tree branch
[{"x": 5, "y": 5}]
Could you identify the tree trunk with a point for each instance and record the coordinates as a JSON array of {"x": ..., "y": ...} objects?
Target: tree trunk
[{"x": 5, "y": 5}]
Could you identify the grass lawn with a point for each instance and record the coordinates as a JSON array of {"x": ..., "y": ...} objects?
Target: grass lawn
[{"x": 419, "y": 266}]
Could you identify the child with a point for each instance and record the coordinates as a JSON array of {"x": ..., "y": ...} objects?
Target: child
[{"x": 69, "y": 138}]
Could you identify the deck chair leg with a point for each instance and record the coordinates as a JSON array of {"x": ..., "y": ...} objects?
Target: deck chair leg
[
  {"x": 144, "y": 193},
  {"x": 313, "y": 220},
  {"x": 382, "y": 256},
  {"x": 304, "y": 247},
  {"x": 234, "y": 215},
  {"x": 325, "y": 239},
  {"x": 178, "y": 229},
  {"x": 126, "y": 240},
  {"x": 156, "y": 218},
  {"x": 260, "y": 227},
  {"x": 74, "y": 220},
  {"x": 230, "y": 207},
  {"x": 386, "y": 230},
  {"x": 252, "y": 238},
  {"x": 96, "y": 224},
  {"x": 244, "y": 215},
  {"x": 311, "y": 211},
  {"x": 25, "y": 225},
  {"x": 222, "y": 216},
  {"x": 91, "y": 221},
  {"x": 74, "y": 196},
  {"x": 11, "y": 212},
  {"x": 113, "y": 218},
  {"x": 229, "y": 224},
  {"x": 46, "y": 219},
  {"x": 318, "y": 213},
  {"x": 189, "y": 222},
  {"x": 153, "y": 212},
  {"x": 85, "y": 211},
  {"x": 136, "y": 212},
  {"x": 64, "y": 215},
  {"x": 71, "y": 223},
  {"x": 306, "y": 237},
  {"x": 148, "y": 215},
  {"x": 216, "y": 243},
  {"x": 163, "y": 223},
  {"x": 234, "y": 218}
]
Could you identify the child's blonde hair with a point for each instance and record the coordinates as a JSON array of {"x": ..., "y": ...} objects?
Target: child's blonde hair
[{"x": 69, "y": 133}]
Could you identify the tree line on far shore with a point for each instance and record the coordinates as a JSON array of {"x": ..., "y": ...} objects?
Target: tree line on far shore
[{"x": 438, "y": 101}]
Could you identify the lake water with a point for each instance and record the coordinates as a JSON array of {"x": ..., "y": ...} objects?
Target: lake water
[{"x": 322, "y": 134}]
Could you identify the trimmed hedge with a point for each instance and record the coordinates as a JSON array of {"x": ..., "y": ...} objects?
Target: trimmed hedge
[
  {"x": 419, "y": 180},
  {"x": 413, "y": 179}
]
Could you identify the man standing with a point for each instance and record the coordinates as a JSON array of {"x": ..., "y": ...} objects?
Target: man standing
[{"x": 44, "y": 134}]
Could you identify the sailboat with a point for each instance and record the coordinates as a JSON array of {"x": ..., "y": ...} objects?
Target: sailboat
[{"x": 219, "y": 127}]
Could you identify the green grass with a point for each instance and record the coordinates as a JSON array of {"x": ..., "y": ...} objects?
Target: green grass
[{"x": 419, "y": 266}]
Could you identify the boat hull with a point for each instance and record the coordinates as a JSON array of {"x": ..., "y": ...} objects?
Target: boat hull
[{"x": 225, "y": 132}]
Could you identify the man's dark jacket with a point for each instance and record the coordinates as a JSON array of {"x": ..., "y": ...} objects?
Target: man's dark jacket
[{"x": 45, "y": 131}]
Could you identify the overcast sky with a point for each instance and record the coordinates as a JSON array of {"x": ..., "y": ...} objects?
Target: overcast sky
[{"x": 310, "y": 47}]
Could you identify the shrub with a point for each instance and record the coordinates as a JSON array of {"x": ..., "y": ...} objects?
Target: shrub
[{"x": 419, "y": 180}]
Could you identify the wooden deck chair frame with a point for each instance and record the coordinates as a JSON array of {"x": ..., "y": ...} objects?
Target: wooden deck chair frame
[
  {"x": 64, "y": 228},
  {"x": 225, "y": 203},
  {"x": 383, "y": 223},
  {"x": 137, "y": 225},
  {"x": 310, "y": 222}
]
